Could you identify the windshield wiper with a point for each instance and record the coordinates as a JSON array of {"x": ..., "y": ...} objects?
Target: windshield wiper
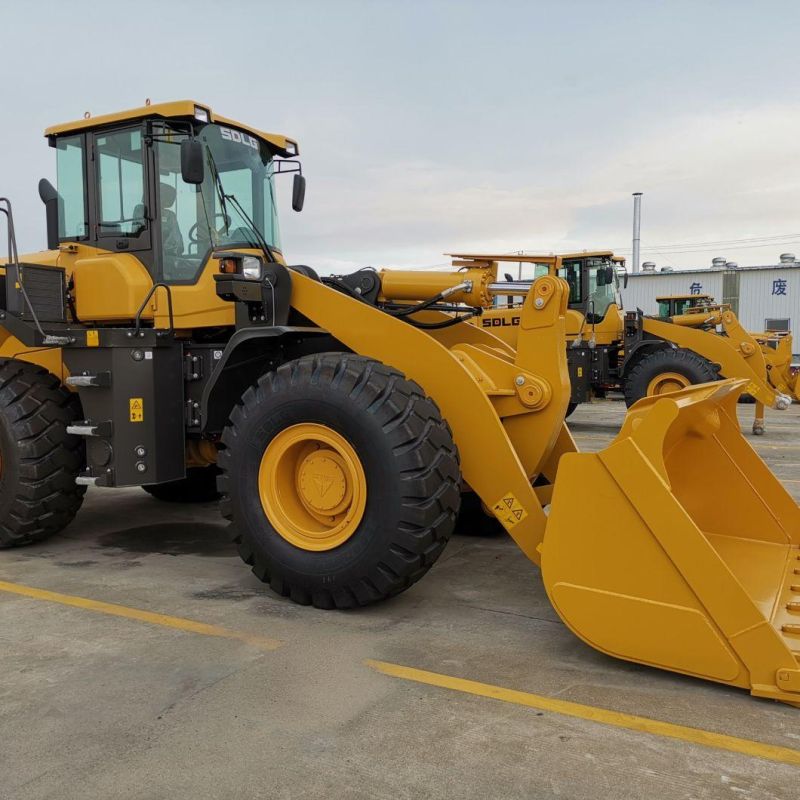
[
  {"x": 218, "y": 186},
  {"x": 262, "y": 242}
]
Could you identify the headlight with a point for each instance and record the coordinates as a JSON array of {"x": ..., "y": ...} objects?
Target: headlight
[{"x": 251, "y": 268}]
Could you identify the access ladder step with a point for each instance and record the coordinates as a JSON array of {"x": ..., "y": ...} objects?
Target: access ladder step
[
  {"x": 101, "y": 379},
  {"x": 89, "y": 428}
]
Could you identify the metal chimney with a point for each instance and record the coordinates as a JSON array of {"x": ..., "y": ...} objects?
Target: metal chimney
[
  {"x": 649, "y": 266},
  {"x": 719, "y": 262},
  {"x": 637, "y": 227},
  {"x": 787, "y": 258}
]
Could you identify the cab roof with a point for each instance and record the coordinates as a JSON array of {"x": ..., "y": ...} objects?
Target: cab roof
[
  {"x": 664, "y": 297},
  {"x": 535, "y": 259},
  {"x": 178, "y": 109}
]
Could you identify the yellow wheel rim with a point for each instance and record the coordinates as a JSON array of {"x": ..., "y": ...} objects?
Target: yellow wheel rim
[
  {"x": 667, "y": 382},
  {"x": 312, "y": 486}
]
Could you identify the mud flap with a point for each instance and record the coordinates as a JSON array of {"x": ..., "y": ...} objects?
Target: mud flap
[{"x": 686, "y": 555}]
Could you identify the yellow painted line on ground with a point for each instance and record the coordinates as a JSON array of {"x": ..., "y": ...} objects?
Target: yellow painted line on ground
[
  {"x": 604, "y": 716},
  {"x": 165, "y": 621}
]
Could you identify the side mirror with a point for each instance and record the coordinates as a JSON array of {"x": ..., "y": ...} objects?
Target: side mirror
[
  {"x": 298, "y": 192},
  {"x": 602, "y": 277},
  {"x": 49, "y": 197},
  {"x": 192, "y": 165}
]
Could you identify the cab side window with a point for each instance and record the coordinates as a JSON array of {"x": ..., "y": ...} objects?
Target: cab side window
[
  {"x": 71, "y": 188},
  {"x": 120, "y": 183},
  {"x": 572, "y": 273}
]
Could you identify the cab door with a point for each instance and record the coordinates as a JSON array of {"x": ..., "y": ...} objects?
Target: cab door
[
  {"x": 122, "y": 214},
  {"x": 113, "y": 275}
]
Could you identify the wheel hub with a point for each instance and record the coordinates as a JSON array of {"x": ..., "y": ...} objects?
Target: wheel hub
[
  {"x": 312, "y": 486},
  {"x": 323, "y": 482},
  {"x": 667, "y": 382}
]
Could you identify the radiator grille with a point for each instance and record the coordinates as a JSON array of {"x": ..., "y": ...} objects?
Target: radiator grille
[{"x": 45, "y": 288}]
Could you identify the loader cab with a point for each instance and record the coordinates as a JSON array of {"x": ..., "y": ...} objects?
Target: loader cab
[
  {"x": 593, "y": 284},
  {"x": 124, "y": 204},
  {"x": 680, "y": 304}
]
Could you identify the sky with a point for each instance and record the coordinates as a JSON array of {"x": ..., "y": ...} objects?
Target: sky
[{"x": 434, "y": 127}]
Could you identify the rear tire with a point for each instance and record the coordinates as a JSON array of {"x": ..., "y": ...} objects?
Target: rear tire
[
  {"x": 570, "y": 408},
  {"x": 686, "y": 363},
  {"x": 199, "y": 486},
  {"x": 40, "y": 461},
  {"x": 409, "y": 462}
]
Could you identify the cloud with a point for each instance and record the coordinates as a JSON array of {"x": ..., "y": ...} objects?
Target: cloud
[{"x": 705, "y": 177}]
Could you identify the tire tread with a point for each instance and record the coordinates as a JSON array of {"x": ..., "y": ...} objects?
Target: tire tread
[{"x": 37, "y": 410}]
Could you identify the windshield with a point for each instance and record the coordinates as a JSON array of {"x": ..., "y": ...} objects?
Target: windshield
[
  {"x": 601, "y": 296},
  {"x": 236, "y": 196},
  {"x": 682, "y": 306}
]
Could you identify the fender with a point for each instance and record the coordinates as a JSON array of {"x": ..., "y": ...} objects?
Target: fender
[
  {"x": 249, "y": 346},
  {"x": 634, "y": 350}
]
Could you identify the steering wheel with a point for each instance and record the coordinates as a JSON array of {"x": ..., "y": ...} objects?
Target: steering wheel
[{"x": 192, "y": 235}]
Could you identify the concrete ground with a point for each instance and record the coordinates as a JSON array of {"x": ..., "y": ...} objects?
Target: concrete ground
[{"x": 97, "y": 706}]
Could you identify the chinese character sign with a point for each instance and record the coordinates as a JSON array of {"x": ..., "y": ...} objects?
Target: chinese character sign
[
  {"x": 779, "y": 286},
  {"x": 696, "y": 288}
]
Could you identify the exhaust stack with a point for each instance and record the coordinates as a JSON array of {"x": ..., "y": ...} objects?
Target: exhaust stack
[{"x": 637, "y": 225}]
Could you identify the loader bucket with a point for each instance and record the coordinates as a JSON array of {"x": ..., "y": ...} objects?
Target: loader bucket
[{"x": 686, "y": 553}]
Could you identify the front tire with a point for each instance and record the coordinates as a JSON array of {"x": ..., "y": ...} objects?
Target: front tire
[
  {"x": 39, "y": 460},
  {"x": 667, "y": 370},
  {"x": 341, "y": 479}
]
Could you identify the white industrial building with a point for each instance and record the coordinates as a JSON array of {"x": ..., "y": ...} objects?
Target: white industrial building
[{"x": 764, "y": 297}]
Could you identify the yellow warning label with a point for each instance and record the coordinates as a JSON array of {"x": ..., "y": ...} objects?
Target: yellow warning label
[
  {"x": 92, "y": 338},
  {"x": 580, "y": 372},
  {"x": 137, "y": 409},
  {"x": 509, "y": 511}
]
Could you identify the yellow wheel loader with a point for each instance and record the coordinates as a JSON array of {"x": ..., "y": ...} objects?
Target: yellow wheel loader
[
  {"x": 701, "y": 312},
  {"x": 162, "y": 333},
  {"x": 691, "y": 341}
]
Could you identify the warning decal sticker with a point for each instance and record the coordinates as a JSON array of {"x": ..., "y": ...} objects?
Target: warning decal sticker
[
  {"x": 509, "y": 511},
  {"x": 137, "y": 409}
]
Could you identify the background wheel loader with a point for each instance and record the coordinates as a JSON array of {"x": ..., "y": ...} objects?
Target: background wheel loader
[
  {"x": 644, "y": 356},
  {"x": 162, "y": 333}
]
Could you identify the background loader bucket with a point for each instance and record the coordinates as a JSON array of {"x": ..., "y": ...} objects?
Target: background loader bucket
[{"x": 686, "y": 553}]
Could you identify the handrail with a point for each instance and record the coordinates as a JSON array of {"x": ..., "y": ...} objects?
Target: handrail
[{"x": 138, "y": 321}]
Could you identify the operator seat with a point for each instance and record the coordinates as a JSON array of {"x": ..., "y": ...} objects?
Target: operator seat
[{"x": 171, "y": 236}]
